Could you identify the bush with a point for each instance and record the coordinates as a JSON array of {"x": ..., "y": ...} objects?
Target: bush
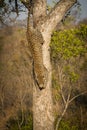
[
  {"x": 67, "y": 126},
  {"x": 27, "y": 124},
  {"x": 69, "y": 43}
]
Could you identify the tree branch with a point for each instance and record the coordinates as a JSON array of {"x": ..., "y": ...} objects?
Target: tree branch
[
  {"x": 39, "y": 10},
  {"x": 69, "y": 94},
  {"x": 77, "y": 96},
  {"x": 63, "y": 113},
  {"x": 66, "y": 106},
  {"x": 60, "y": 83},
  {"x": 56, "y": 14},
  {"x": 25, "y": 3}
]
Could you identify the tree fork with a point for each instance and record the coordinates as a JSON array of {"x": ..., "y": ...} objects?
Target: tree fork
[{"x": 43, "y": 118}]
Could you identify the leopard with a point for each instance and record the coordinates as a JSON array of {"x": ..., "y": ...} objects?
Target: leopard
[{"x": 35, "y": 40}]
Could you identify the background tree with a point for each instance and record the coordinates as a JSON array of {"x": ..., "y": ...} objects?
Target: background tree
[{"x": 68, "y": 57}]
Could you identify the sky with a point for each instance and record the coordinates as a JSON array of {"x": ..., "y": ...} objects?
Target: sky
[
  {"x": 78, "y": 12},
  {"x": 81, "y": 10}
]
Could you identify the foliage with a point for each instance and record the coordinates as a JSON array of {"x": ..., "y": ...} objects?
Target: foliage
[
  {"x": 2, "y": 3},
  {"x": 68, "y": 48},
  {"x": 27, "y": 124},
  {"x": 73, "y": 77},
  {"x": 65, "y": 125},
  {"x": 82, "y": 32},
  {"x": 69, "y": 43},
  {"x": 65, "y": 47}
]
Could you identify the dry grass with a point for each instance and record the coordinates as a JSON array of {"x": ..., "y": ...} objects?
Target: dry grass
[{"x": 15, "y": 72}]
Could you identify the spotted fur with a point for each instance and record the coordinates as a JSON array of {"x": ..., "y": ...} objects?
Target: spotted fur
[{"x": 36, "y": 41}]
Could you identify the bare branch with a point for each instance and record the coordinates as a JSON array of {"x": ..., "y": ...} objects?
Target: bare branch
[
  {"x": 63, "y": 97},
  {"x": 66, "y": 106},
  {"x": 69, "y": 94},
  {"x": 60, "y": 83},
  {"x": 63, "y": 113},
  {"x": 26, "y": 3},
  {"x": 77, "y": 96},
  {"x": 56, "y": 15}
]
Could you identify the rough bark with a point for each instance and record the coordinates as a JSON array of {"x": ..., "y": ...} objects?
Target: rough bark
[
  {"x": 39, "y": 10},
  {"x": 56, "y": 15},
  {"x": 42, "y": 99},
  {"x": 42, "y": 104}
]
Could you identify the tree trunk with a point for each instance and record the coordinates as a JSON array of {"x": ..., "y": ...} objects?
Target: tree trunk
[
  {"x": 43, "y": 118},
  {"x": 42, "y": 101}
]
